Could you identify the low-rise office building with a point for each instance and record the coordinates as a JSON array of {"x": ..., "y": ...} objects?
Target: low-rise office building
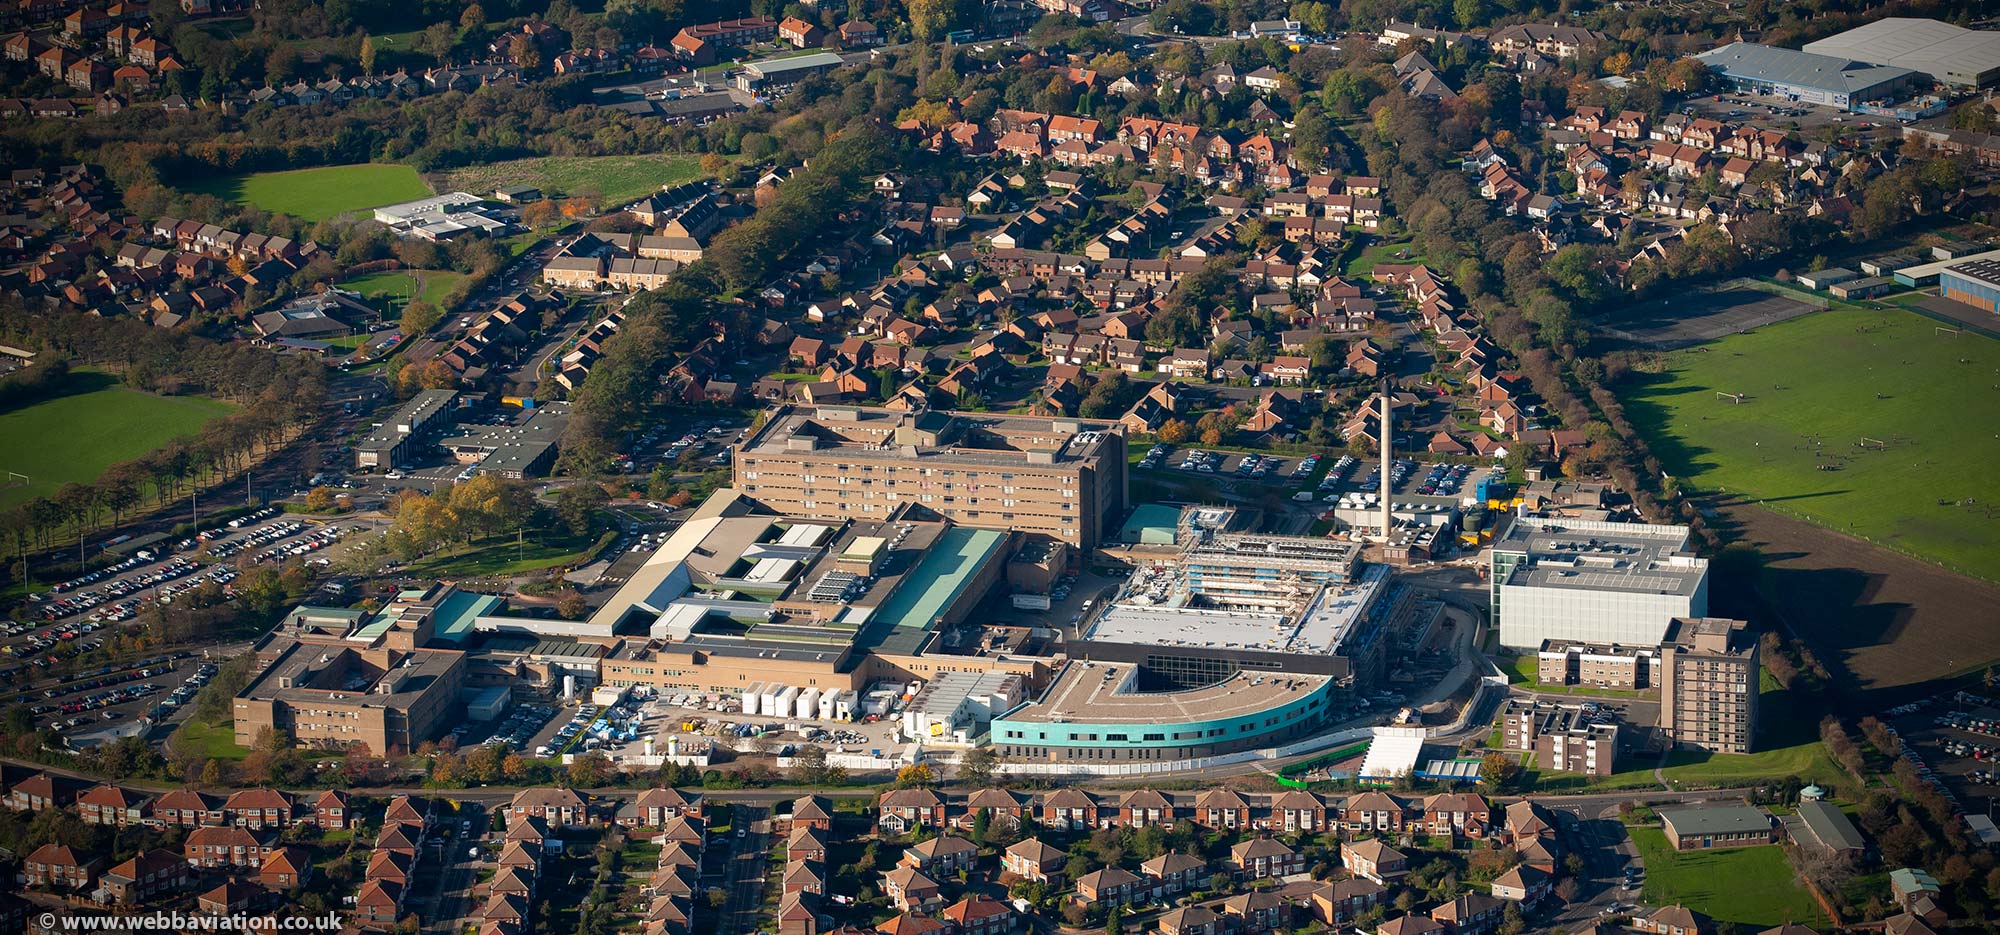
[{"x": 398, "y": 439}]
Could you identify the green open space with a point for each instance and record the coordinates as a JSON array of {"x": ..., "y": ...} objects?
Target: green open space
[
  {"x": 95, "y": 423},
  {"x": 1787, "y": 745},
  {"x": 1365, "y": 262},
  {"x": 1752, "y": 886},
  {"x": 319, "y": 193},
  {"x": 397, "y": 287},
  {"x": 613, "y": 179},
  {"x": 504, "y": 555},
  {"x": 197, "y": 737},
  {"x": 1870, "y": 422}
]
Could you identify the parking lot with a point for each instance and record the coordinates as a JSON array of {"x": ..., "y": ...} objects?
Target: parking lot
[
  {"x": 1953, "y": 740},
  {"x": 115, "y": 593},
  {"x": 153, "y": 688}
]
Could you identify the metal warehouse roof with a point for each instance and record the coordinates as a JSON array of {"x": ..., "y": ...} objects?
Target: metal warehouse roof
[
  {"x": 1752, "y": 62},
  {"x": 1941, "y": 50}
]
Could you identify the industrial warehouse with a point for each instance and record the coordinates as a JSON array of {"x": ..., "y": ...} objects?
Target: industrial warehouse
[
  {"x": 1950, "y": 55},
  {"x": 1805, "y": 77}
]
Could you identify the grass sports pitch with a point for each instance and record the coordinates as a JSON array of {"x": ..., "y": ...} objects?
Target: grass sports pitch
[
  {"x": 96, "y": 424},
  {"x": 1874, "y": 423},
  {"x": 318, "y": 194}
]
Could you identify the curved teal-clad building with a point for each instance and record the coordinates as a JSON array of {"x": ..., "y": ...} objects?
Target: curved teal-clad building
[{"x": 1104, "y": 712}]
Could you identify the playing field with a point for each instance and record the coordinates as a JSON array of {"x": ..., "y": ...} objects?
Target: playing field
[
  {"x": 397, "y": 287},
  {"x": 1873, "y": 423},
  {"x": 75, "y": 437},
  {"x": 1752, "y": 886},
  {"x": 614, "y": 180},
  {"x": 318, "y": 194}
]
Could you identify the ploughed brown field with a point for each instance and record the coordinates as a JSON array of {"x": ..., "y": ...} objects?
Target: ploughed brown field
[{"x": 1887, "y": 622}]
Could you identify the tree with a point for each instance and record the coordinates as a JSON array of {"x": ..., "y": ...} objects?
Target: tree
[
  {"x": 977, "y": 766},
  {"x": 931, "y": 19},
  {"x": 578, "y": 502},
  {"x": 1497, "y": 771},
  {"x": 368, "y": 54},
  {"x": 589, "y": 771},
  {"x": 320, "y": 499},
  {"x": 916, "y": 775},
  {"x": 1175, "y": 431},
  {"x": 570, "y": 605},
  {"x": 419, "y": 317},
  {"x": 809, "y": 765}
]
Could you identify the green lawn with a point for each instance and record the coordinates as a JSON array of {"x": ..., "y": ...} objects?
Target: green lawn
[
  {"x": 1888, "y": 375},
  {"x": 397, "y": 286},
  {"x": 318, "y": 194},
  {"x": 1787, "y": 745},
  {"x": 1753, "y": 886},
  {"x": 1366, "y": 261},
  {"x": 614, "y": 179},
  {"x": 503, "y": 556},
  {"x": 98, "y": 423},
  {"x": 215, "y": 741}
]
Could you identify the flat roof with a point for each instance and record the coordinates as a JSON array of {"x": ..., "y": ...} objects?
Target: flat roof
[
  {"x": 1749, "y": 61},
  {"x": 420, "y": 407},
  {"x": 1321, "y": 627},
  {"x": 1589, "y": 555},
  {"x": 1948, "y": 53},
  {"x": 1928, "y": 270},
  {"x": 945, "y": 439},
  {"x": 779, "y": 66},
  {"x": 1986, "y": 271},
  {"x": 1150, "y": 524},
  {"x": 1102, "y": 693},
  {"x": 900, "y": 624}
]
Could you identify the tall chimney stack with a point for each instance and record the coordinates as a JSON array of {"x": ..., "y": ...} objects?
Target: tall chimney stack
[{"x": 1388, "y": 443}]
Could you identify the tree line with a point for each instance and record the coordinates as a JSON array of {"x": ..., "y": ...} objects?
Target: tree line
[{"x": 278, "y": 396}]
